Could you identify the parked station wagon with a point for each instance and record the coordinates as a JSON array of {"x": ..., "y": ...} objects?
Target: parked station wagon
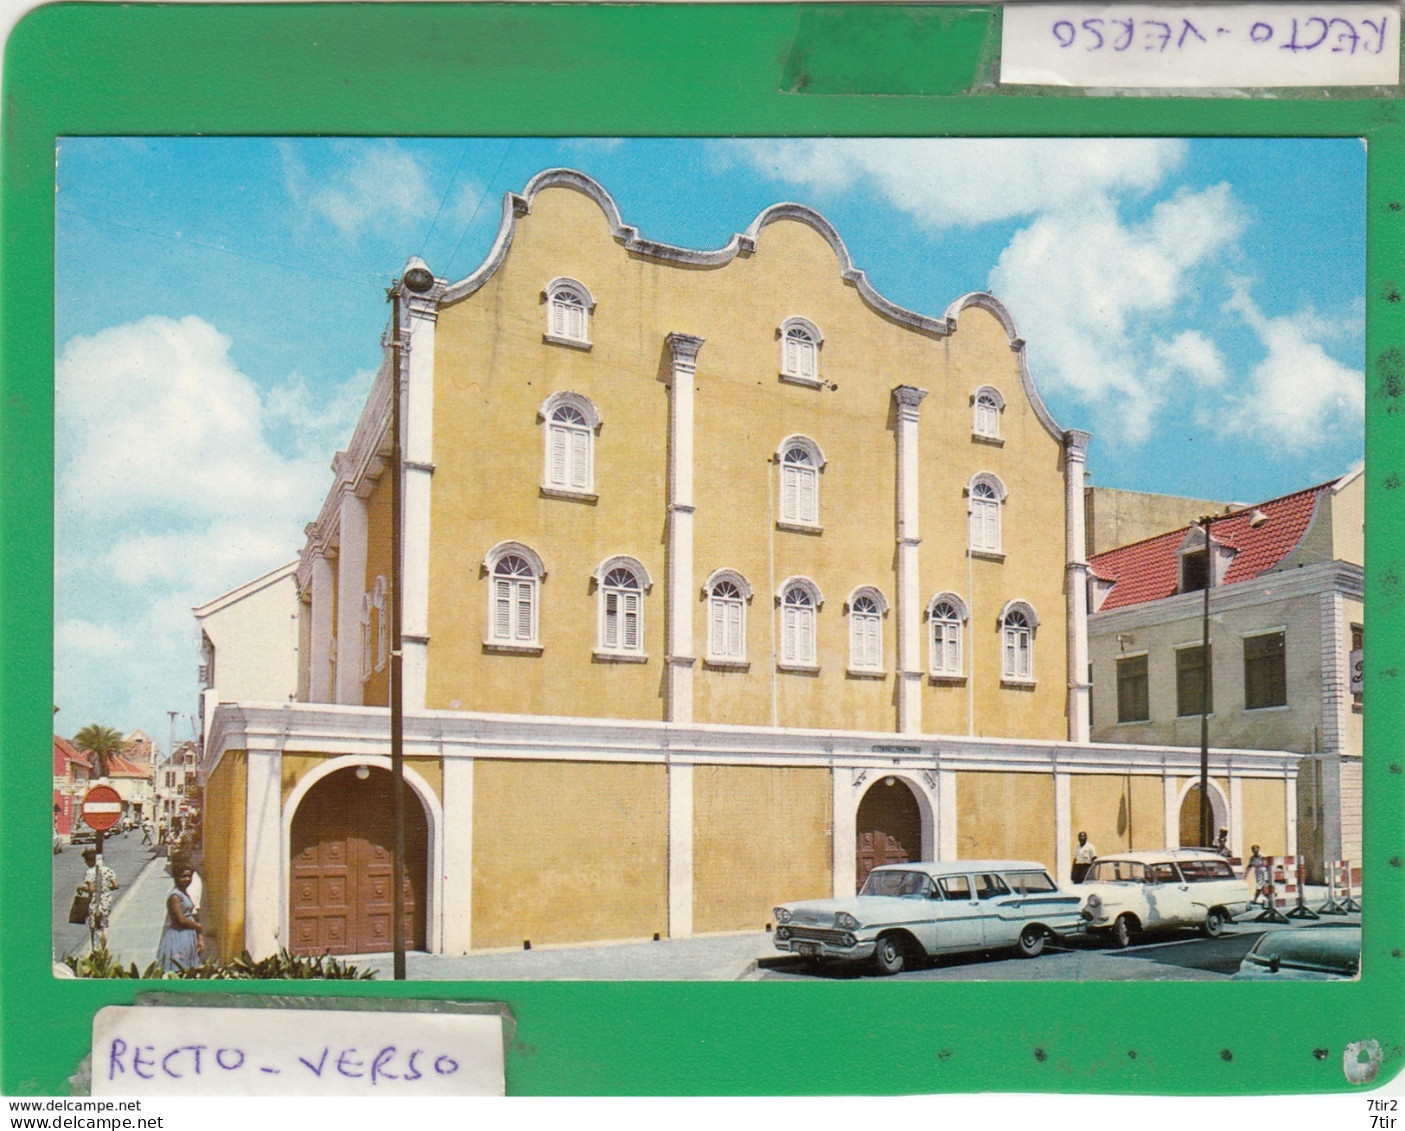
[
  {"x": 1132, "y": 892},
  {"x": 909, "y": 912}
]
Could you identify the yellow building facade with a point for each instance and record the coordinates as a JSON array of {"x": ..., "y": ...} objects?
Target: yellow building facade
[{"x": 725, "y": 579}]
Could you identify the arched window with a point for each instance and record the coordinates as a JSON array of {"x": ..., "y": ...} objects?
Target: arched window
[
  {"x": 986, "y": 495},
  {"x": 945, "y": 617},
  {"x": 800, "y": 601},
  {"x": 571, "y": 421},
  {"x": 866, "y": 609},
  {"x": 800, "y": 460},
  {"x": 515, "y": 574},
  {"x": 621, "y": 583},
  {"x": 727, "y": 595},
  {"x": 1018, "y": 623},
  {"x": 568, "y": 307},
  {"x": 366, "y": 642},
  {"x": 378, "y": 601},
  {"x": 987, "y": 403},
  {"x": 800, "y": 351}
]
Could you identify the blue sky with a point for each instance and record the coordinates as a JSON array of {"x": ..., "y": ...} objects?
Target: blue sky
[{"x": 1196, "y": 304}]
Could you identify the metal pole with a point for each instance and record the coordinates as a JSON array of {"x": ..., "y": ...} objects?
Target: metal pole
[
  {"x": 1205, "y": 838},
  {"x": 397, "y": 700}
]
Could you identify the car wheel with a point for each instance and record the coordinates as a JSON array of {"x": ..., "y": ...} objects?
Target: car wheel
[
  {"x": 888, "y": 958},
  {"x": 1123, "y": 930},
  {"x": 1031, "y": 942},
  {"x": 1214, "y": 923}
]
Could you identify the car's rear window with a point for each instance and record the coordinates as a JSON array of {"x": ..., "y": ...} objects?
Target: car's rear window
[
  {"x": 1204, "y": 871},
  {"x": 1027, "y": 882}
]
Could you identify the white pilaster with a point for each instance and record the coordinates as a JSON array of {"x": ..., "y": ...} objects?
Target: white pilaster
[
  {"x": 319, "y": 663},
  {"x": 417, "y": 416},
  {"x": 265, "y": 864},
  {"x": 683, "y": 360},
  {"x": 680, "y": 851},
  {"x": 1076, "y": 585},
  {"x": 1336, "y": 686},
  {"x": 1236, "y": 816},
  {"x": 351, "y": 587},
  {"x": 457, "y": 903},
  {"x": 844, "y": 840},
  {"x": 946, "y": 823},
  {"x": 1290, "y": 810},
  {"x": 908, "y": 401},
  {"x": 1063, "y": 827}
]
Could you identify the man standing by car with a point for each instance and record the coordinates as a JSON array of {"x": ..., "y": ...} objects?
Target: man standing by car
[{"x": 1083, "y": 858}]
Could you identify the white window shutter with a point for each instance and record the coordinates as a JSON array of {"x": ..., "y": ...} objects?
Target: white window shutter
[
  {"x": 808, "y": 511},
  {"x": 790, "y": 507},
  {"x": 732, "y": 641},
  {"x": 631, "y": 622},
  {"x": 524, "y": 610},
  {"x": 580, "y": 459},
  {"x": 788, "y": 635},
  {"x": 610, "y": 633},
  {"x": 502, "y": 610},
  {"x": 806, "y": 635},
  {"x": 558, "y": 455}
]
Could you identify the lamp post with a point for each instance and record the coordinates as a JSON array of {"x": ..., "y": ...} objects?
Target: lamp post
[{"x": 417, "y": 279}]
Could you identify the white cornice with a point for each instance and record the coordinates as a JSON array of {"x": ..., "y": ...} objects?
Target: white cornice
[
  {"x": 1345, "y": 578},
  {"x": 744, "y": 243},
  {"x": 333, "y": 729}
]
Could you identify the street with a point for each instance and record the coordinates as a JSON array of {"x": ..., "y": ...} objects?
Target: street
[
  {"x": 1178, "y": 956},
  {"x": 125, "y": 855}
]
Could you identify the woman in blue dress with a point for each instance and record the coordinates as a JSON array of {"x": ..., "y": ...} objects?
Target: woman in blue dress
[{"x": 181, "y": 944}]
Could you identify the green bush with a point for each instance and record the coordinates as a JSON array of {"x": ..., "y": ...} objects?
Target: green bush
[{"x": 284, "y": 966}]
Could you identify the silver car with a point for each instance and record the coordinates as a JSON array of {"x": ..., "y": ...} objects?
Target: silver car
[{"x": 909, "y": 912}]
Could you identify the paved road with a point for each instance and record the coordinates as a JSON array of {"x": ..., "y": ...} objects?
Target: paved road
[
  {"x": 126, "y": 856},
  {"x": 1177, "y": 957}
]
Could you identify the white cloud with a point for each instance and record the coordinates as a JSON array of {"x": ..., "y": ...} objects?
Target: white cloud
[
  {"x": 1297, "y": 394},
  {"x": 1088, "y": 291},
  {"x": 377, "y": 185},
  {"x": 965, "y": 180}
]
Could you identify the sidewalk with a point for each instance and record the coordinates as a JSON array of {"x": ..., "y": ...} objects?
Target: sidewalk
[{"x": 134, "y": 931}]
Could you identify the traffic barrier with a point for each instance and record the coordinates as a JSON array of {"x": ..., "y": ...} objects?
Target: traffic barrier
[
  {"x": 1338, "y": 883},
  {"x": 1272, "y": 892},
  {"x": 1302, "y": 910}
]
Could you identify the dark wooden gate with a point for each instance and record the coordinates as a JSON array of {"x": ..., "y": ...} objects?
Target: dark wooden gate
[
  {"x": 889, "y": 827},
  {"x": 340, "y": 889}
]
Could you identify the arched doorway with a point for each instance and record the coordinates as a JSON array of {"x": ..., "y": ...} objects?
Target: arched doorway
[
  {"x": 339, "y": 889},
  {"x": 1190, "y": 817},
  {"x": 888, "y": 827}
]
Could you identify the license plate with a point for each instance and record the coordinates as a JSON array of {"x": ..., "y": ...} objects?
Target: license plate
[{"x": 810, "y": 948}]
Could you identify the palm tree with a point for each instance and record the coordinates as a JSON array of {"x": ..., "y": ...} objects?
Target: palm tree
[{"x": 100, "y": 741}]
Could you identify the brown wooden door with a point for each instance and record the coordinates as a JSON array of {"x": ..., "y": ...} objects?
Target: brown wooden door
[
  {"x": 888, "y": 826},
  {"x": 340, "y": 889}
]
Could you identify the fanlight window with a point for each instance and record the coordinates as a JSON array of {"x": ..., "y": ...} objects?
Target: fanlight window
[
  {"x": 621, "y": 612},
  {"x": 987, "y": 403},
  {"x": 568, "y": 313},
  {"x": 1018, "y": 661},
  {"x": 800, "y": 352},
  {"x": 569, "y": 443},
  {"x": 514, "y": 611},
  {"x": 800, "y": 487},
  {"x": 726, "y": 633},
  {"x": 798, "y": 626},
  {"x": 946, "y": 639},
  {"x": 865, "y": 633},
  {"x": 985, "y": 517}
]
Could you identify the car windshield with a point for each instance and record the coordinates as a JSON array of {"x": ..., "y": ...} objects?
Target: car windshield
[
  {"x": 1117, "y": 872},
  {"x": 903, "y": 885}
]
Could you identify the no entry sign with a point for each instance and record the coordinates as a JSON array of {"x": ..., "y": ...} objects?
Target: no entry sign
[{"x": 102, "y": 807}]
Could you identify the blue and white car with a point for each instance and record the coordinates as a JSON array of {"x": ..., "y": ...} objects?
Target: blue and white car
[{"x": 906, "y": 913}]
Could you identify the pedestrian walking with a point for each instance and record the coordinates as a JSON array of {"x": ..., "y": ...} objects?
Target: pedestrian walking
[
  {"x": 1258, "y": 873},
  {"x": 1222, "y": 843},
  {"x": 146, "y": 831},
  {"x": 181, "y": 946},
  {"x": 99, "y": 883},
  {"x": 1083, "y": 858}
]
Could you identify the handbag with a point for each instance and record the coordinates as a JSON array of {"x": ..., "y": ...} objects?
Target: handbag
[{"x": 78, "y": 911}]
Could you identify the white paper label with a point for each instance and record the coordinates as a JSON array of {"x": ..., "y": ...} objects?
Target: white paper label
[
  {"x": 1200, "y": 45},
  {"x": 170, "y": 1051}
]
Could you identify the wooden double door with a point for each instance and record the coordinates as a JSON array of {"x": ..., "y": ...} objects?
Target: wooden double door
[
  {"x": 888, "y": 826},
  {"x": 340, "y": 885}
]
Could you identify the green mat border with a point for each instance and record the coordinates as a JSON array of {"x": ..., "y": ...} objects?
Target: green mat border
[{"x": 671, "y": 70}]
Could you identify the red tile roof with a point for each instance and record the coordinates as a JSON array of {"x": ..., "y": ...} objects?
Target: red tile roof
[
  {"x": 120, "y": 766},
  {"x": 1149, "y": 570},
  {"x": 64, "y": 752}
]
